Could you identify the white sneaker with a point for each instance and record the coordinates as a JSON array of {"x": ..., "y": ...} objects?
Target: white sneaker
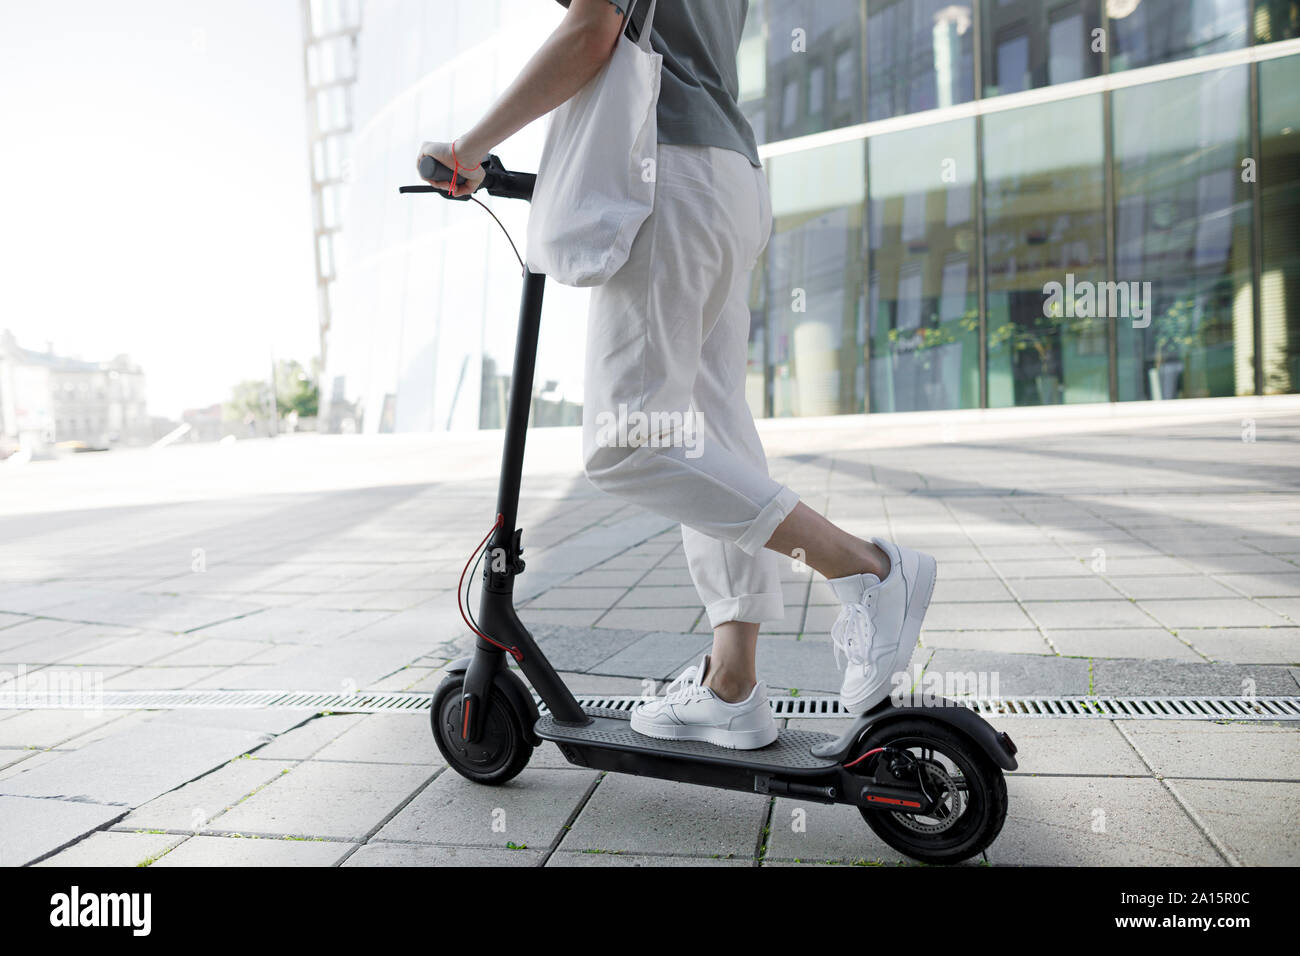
[
  {"x": 880, "y": 624},
  {"x": 690, "y": 711}
]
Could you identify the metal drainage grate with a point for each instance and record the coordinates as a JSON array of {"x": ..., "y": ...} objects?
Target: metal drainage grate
[{"x": 414, "y": 702}]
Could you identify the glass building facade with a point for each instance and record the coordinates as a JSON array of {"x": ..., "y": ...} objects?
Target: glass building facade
[{"x": 976, "y": 205}]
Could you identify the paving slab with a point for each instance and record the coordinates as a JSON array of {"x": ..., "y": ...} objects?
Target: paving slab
[
  {"x": 1009, "y": 674},
  {"x": 211, "y": 651},
  {"x": 1097, "y": 821},
  {"x": 1151, "y": 643},
  {"x": 1088, "y": 614},
  {"x": 137, "y": 649},
  {"x": 595, "y": 858},
  {"x": 656, "y": 656},
  {"x": 161, "y": 678},
  {"x": 289, "y": 625},
  {"x": 339, "y": 667},
  {"x": 1231, "y": 811},
  {"x": 576, "y": 648},
  {"x": 1193, "y": 748},
  {"x": 530, "y": 810},
  {"x": 53, "y": 728},
  {"x": 1052, "y": 746},
  {"x": 308, "y": 737},
  {"x": 386, "y": 738},
  {"x": 680, "y": 619},
  {"x": 38, "y": 631},
  {"x": 808, "y": 832},
  {"x": 130, "y": 768},
  {"x": 1236, "y": 612},
  {"x": 157, "y": 612},
  {"x": 807, "y": 666},
  {"x": 115, "y": 848},
  {"x": 1036, "y": 590},
  {"x": 639, "y": 815},
  {"x": 253, "y": 851},
  {"x": 1189, "y": 587},
  {"x": 13, "y": 761},
  {"x": 1246, "y": 645},
  {"x": 32, "y": 598},
  {"x": 342, "y": 801},
  {"x": 1263, "y": 584},
  {"x": 198, "y": 805},
  {"x": 580, "y": 597},
  {"x": 1148, "y": 678},
  {"x": 378, "y": 853},
  {"x": 32, "y": 827},
  {"x": 1023, "y": 641},
  {"x": 970, "y": 616}
]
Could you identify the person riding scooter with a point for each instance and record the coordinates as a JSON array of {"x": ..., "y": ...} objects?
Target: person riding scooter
[{"x": 669, "y": 332}]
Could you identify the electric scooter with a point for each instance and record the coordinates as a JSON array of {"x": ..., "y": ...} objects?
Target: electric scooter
[{"x": 927, "y": 776}]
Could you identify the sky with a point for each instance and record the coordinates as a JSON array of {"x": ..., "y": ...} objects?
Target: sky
[{"x": 155, "y": 188}]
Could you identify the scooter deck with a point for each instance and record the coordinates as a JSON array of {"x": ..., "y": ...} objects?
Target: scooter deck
[{"x": 790, "y": 754}]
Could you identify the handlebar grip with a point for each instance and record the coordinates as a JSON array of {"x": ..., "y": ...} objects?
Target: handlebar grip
[{"x": 431, "y": 169}]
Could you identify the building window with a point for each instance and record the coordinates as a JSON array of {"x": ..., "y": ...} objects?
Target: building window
[
  {"x": 815, "y": 276},
  {"x": 922, "y": 303},
  {"x": 1276, "y": 20},
  {"x": 1045, "y": 233},
  {"x": 1036, "y": 43},
  {"x": 1279, "y": 181},
  {"x": 1183, "y": 237},
  {"x": 1159, "y": 31},
  {"x": 920, "y": 56}
]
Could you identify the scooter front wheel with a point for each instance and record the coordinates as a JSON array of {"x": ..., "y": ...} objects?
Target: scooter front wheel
[
  {"x": 501, "y": 751},
  {"x": 968, "y": 789}
]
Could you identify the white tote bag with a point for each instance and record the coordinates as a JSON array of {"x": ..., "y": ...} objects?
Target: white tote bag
[{"x": 595, "y": 183}]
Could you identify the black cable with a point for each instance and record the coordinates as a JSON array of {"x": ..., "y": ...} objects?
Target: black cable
[
  {"x": 503, "y": 229},
  {"x": 469, "y": 605}
]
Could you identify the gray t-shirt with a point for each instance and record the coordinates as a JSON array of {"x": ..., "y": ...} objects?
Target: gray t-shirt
[{"x": 698, "y": 86}]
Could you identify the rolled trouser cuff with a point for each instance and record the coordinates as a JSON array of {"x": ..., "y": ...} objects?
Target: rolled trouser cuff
[{"x": 761, "y": 530}]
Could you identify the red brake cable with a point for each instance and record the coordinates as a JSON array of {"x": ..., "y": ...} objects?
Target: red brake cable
[{"x": 514, "y": 652}]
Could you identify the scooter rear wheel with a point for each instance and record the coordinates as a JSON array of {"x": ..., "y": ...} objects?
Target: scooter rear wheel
[
  {"x": 500, "y": 752},
  {"x": 972, "y": 793}
]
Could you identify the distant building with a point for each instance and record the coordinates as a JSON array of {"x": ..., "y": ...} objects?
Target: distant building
[
  {"x": 207, "y": 424},
  {"x": 47, "y": 398}
]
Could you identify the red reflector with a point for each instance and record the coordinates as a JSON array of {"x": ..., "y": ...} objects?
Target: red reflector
[{"x": 898, "y": 803}]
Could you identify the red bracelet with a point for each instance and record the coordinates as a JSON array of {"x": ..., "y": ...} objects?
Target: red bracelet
[{"x": 456, "y": 167}]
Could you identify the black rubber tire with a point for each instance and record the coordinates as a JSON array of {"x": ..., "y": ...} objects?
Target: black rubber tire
[
  {"x": 503, "y": 750},
  {"x": 979, "y": 824}
]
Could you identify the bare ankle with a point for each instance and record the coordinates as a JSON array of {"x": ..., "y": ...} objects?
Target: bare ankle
[
  {"x": 731, "y": 690},
  {"x": 864, "y": 558}
]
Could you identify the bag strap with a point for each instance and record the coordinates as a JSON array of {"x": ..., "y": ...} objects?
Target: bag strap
[{"x": 643, "y": 35}]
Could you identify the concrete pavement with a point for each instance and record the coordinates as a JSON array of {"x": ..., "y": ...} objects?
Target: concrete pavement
[{"x": 1149, "y": 549}]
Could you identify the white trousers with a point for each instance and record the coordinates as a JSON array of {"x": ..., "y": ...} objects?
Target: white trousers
[{"x": 665, "y": 421}]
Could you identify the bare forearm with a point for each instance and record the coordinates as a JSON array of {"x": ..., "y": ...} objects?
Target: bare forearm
[{"x": 564, "y": 64}]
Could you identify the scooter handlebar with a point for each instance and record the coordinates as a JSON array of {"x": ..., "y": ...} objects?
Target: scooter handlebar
[
  {"x": 497, "y": 180},
  {"x": 431, "y": 168}
]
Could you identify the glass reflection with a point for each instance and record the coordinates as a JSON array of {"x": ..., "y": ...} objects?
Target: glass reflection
[
  {"x": 1279, "y": 127},
  {"x": 1144, "y": 32},
  {"x": 1276, "y": 20},
  {"x": 1030, "y": 44},
  {"x": 815, "y": 336},
  {"x": 1183, "y": 232},
  {"x": 1044, "y": 202},
  {"x": 800, "y": 67},
  {"x": 920, "y": 55},
  {"x": 923, "y": 318}
]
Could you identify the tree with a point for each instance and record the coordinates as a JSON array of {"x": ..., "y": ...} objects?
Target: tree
[{"x": 295, "y": 389}]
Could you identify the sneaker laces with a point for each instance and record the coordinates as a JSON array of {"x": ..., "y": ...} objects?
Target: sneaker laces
[
  {"x": 686, "y": 686},
  {"x": 853, "y": 631}
]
